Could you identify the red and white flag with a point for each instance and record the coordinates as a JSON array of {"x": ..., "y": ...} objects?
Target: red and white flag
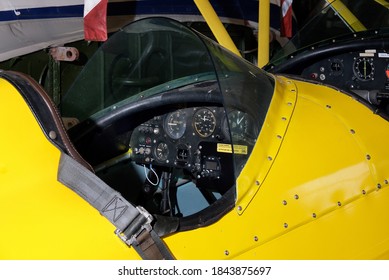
[
  {"x": 95, "y": 20},
  {"x": 287, "y": 16}
]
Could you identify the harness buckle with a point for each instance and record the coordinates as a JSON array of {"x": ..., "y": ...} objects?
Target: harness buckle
[{"x": 138, "y": 225}]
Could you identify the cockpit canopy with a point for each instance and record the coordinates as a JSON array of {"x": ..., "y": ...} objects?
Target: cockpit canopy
[{"x": 176, "y": 104}]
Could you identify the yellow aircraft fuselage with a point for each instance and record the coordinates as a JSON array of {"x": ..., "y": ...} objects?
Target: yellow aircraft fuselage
[{"x": 315, "y": 187}]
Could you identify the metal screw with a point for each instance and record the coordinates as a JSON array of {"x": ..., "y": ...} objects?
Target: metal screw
[
  {"x": 352, "y": 131},
  {"x": 286, "y": 225},
  {"x": 257, "y": 183},
  {"x": 269, "y": 158},
  {"x": 363, "y": 192},
  {"x": 284, "y": 202},
  {"x": 314, "y": 215},
  {"x": 240, "y": 208},
  {"x": 255, "y": 238},
  {"x": 339, "y": 203},
  {"x": 52, "y": 135},
  {"x": 226, "y": 252},
  {"x": 368, "y": 157},
  {"x": 378, "y": 186},
  {"x": 296, "y": 196}
]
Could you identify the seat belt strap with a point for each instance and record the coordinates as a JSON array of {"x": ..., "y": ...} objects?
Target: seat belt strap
[
  {"x": 133, "y": 223},
  {"x": 150, "y": 247}
]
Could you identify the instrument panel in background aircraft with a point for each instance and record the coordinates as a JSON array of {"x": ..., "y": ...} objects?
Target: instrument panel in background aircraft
[{"x": 364, "y": 72}]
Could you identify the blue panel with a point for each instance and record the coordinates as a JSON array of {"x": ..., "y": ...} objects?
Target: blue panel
[{"x": 42, "y": 13}]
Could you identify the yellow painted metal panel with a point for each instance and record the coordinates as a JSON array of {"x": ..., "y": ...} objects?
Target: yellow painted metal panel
[
  {"x": 315, "y": 187},
  {"x": 353, "y": 231},
  {"x": 273, "y": 131},
  {"x": 41, "y": 218},
  {"x": 325, "y": 195}
]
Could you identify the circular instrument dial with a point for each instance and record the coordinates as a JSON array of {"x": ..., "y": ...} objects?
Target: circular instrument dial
[
  {"x": 241, "y": 126},
  {"x": 239, "y": 123},
  {"x": 162, "y": 151},
  {"x": 204, "y": 122},
  {"x": 364, "y": 68},
  {"x": 175, "y": 124}
]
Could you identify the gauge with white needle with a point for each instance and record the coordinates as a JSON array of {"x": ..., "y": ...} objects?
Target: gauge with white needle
[
  {"x": 238, "y": 122},
  {"x": 162, "y": 151},
  {"x": 175, "y": 124},
  {"x": 204, "y": 122},
  {"x": 239, "y": 125}
]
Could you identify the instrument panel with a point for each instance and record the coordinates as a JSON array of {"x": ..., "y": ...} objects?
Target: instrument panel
[
  {"x": 180, "y": 139},
  {"x": 356, "y": 71},
  {"x": 197, "y": 139}
]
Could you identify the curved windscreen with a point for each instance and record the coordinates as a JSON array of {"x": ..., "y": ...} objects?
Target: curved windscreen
[
  {"x": 180, "y": 108},
  {"x": 157, "y": 55}
]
